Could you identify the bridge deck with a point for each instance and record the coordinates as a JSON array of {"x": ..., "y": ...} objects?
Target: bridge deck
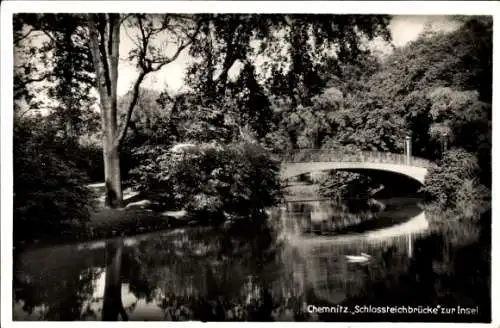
[{"x": 335, "y": 155}]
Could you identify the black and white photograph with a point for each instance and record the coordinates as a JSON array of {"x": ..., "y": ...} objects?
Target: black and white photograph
[{"x": 229, "y": 164}]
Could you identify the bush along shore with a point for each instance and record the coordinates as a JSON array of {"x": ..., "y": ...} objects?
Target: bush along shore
[
  {"x": 205, "y": 184},
  {"x": 452, "y": 190}
]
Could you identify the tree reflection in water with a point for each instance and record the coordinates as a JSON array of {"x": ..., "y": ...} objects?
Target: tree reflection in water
[
  {"x": 55, "y": 283},
  {"x": 249, "y": 271},
  {"x": 112, "y": 305},
  {"x": 204, "y": 276}
]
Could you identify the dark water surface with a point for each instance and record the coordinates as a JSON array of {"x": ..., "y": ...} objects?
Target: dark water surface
[{"x": 304, "y": 254}]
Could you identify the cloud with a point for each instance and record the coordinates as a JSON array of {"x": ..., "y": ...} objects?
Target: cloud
[{"x": 407, "y": 28}]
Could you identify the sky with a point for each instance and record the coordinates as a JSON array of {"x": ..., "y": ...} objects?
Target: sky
[
  {"x": 403, "y": 30},
  {"x": 407, "y": 28}
]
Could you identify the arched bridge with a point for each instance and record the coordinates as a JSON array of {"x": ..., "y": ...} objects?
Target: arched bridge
[{"x": 295, "y": 163}]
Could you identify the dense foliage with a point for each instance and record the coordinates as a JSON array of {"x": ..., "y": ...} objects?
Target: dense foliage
[
  {"x": 239, "y": 179},
  {"x": 50, "y": 196},
  {"x": 416, "y": 83},
  {"x": 437, "y": 89},
  {"x": 454, "y": 184}
]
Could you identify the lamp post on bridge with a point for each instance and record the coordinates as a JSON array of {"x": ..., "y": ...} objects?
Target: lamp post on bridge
[{"x": 408, "y": 149}]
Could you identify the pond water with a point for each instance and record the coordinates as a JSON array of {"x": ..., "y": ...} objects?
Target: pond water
[{"x": 301, "y": 256}]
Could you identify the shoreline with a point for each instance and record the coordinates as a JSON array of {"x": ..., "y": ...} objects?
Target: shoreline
[
  {"x": 137, "y": 219},
  {"x": 107, "y": 224},
  {"x": 134, "y": 220}
]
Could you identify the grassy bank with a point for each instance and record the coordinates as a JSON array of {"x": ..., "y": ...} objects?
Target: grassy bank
[{"x": 140, "y": 215}]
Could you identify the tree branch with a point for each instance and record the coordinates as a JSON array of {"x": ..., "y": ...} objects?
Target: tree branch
[
  {"x": 114, "y": 49},
  {"x": 133, "y": 103},
  {"x": 105, "y": 50},
  {"x": 51, "y": 37},
  {"x": 124, "y": 18},
  {"x": 26, "y": 111},
  {"x": 94, "y": 49},
  {"x": 232, "y": 55},
  {"x": 147, "y": 69},
  {"x": 130, "y": 38},
  {"x": 22, "y": 37},
  {"x": 183, "y": 46}
]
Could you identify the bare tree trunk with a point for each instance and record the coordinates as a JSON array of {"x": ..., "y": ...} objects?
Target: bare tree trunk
[
  {"x": 113, "y": 306},
  {"x": 104, "y": 44},
  {"x": 112, "y": 174}
]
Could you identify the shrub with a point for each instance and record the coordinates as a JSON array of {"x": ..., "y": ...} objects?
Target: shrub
[
  {"x": 49, "y": 191},
  {"x": 89, "y": 159},
  {"x": 472, "y": 198},
  {"x": 237, "y": 178},
  {"x": 453, "y": 183},
  {"x": 443, "y": 181}
]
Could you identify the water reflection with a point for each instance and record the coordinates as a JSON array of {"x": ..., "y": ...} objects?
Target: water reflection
[
  {"x": 356, "y": 215},
  {"x": 54, "y": 283},
  {"x": 266, "y": 271},
  {"x": 112, "y": 305}
]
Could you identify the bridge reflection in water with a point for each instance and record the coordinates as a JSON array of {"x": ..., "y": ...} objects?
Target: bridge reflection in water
[{"x": 321, "y": 259}]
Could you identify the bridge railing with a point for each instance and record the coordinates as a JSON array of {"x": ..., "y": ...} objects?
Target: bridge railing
[{"x": 336, "y": 155}]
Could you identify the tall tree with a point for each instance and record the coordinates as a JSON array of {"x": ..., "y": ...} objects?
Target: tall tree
[
  {"x": 285, "y": 52},
  {"x": 149, "y": 57},
  {"x": 439, "y": 83},
  {"x": 104, "y": 32},
  {"x": 52, "y": 49},
  {"x": 91, "y": 43}
]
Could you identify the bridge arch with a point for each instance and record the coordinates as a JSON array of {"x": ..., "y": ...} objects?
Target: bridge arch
[
  {"x": 305, "y": 161},
  {"x": 290, "y": 170}
]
